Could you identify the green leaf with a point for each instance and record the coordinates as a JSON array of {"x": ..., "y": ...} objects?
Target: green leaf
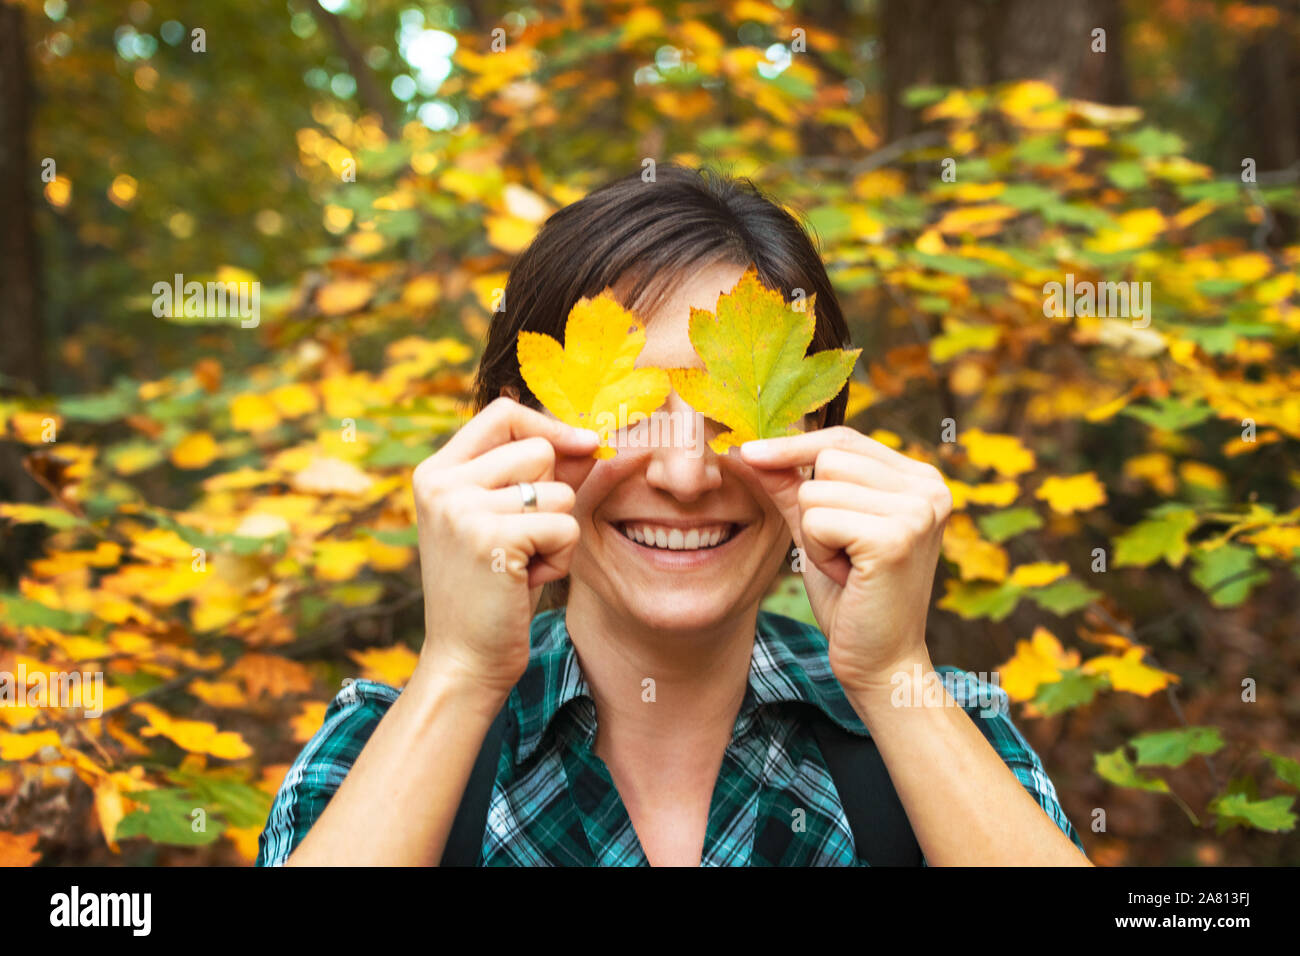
[
  {"x": 105, "y": 407},
  {"x": 831, "y": 223},
  {"x": 1236, "y": 809},
  {"x": 1173, "y": 748},
  {"x": 1225, "y": 575},
  {"x": 1288, "y": 770},
  {"x": 976, "y": 599},
  {"x": 236, "y": 802},
  {"x": 394, "y": 537},
  {"x": 45, "y": 514},
  {"x": 19, "y": 611},
  {"x": 168, "y": 819},
  {"x": 1001, "y": 526},
  {"x": 1163, "y": 536},
  {"x": 1171, "y": 414},
  {"x": 1064, "y": 596},
  {"x": 1149, "y": 141},
  {"x": 1127, "y": 174},
  {"x": 1074, "y": 689},
  {"x": 915, "y": 97},
  {"x": 953, "y": 265},
  {"x": 1115, "y": 767}
]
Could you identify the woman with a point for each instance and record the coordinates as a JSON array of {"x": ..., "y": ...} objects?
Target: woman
[{"x": 655, "y": 716}]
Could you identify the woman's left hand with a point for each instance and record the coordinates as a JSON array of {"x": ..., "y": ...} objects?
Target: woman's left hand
[{"x": 870, "y": 525}]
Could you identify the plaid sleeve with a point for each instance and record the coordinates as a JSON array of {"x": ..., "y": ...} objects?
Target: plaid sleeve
[
  {"x": 320, "y": 768},
  {"x": 990, "y": 708}
]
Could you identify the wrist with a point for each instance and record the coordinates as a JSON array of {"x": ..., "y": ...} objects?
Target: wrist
[
  {"x": 443, "y": 675},
  {"x": 908, "y": 682}
]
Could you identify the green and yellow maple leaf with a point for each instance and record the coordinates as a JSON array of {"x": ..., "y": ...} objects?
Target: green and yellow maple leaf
[
  {"x": 590, "y": 381},
  {"x": 757, "y": 379}
]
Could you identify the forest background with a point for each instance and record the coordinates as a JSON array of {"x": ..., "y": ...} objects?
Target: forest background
[{"x": 213, "y": 512}]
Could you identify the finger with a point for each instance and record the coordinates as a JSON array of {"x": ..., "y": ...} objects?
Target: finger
[
  {"x": 829, "y": 532},
  {"x": 836, "y": 465},
  {"x": 913, "y": 510},
  {"x": 547, "y": 540},
  {"x": 530, "y": 459},
  {"x": 802, "y": 449},
  {"x": 551, "y": 496},
  {"x": 506, "y": 421}
]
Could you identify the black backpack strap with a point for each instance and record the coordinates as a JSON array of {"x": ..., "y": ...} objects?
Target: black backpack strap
[
  {"x": 465, "y": 841},
  {"x": 882, "y": 833}
]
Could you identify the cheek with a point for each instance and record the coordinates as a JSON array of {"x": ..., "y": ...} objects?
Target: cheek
[{"x": 605, "y": 477}]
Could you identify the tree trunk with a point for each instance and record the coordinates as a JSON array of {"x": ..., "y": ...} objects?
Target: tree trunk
[
  {"x": 21, "y": 346},
  {"x": 967, "y": 43}
]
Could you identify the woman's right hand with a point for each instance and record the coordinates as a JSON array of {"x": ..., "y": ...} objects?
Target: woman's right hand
[{"x": 483, "y": 559}]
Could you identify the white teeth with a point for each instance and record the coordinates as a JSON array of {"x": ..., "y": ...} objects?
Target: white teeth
[{"x": 674, "y": 539}]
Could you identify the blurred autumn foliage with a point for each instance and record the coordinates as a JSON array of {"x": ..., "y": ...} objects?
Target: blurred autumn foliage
[{"x": 218, "y": 517}]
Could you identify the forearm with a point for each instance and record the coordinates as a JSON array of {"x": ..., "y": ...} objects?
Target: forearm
[
  {"x": 398, "y": 801},
  {"x": 965, "y": 805}
]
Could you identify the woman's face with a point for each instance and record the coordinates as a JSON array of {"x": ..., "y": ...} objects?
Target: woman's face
[{"x": 710, "y": 540}]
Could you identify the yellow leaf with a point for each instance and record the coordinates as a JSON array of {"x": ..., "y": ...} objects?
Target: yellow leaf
[
  {"x": 218, "y": 693},
  {"x": 1039, "y": 660},
  {"x": 293, "y": 400},
  {"x": 1039, "y": 574},
  {"x": 310, "y": 718},
  {"x": 510, "y": 233},
  {"x": 196, "y": 736},
  {"x": 162, "y": 544},
  {"x": 421, "y": 292},
  {"x": 998, "y": 493},
  {"x": 1128, "y": 673},
  {"x": 757, "y": 379},
  {"x": 388, "y": 665},
  {"x": 976, "y": 559},
  {"x": 196, "y": 450},
  {"x": 253, "y": 413},
  {"x": 15, "y": 747},
  {"x": 1003, "y": 453},
  {"x": 244, "y": 840},
  {"x": 1076, "y": 493},
  {"x": 590, "y": 381},
  {"x": 18, "y": 849},
  {"x": 861, "y": 397},
  {"x": 344, "y": 295},
  {"x": 977, "y": 220},
  {"x": 272, "y": 675},
  {"x": 931, "y": 243},
  {"x": 340, "y": 560},
  {"x": 1133, "y": 230}
]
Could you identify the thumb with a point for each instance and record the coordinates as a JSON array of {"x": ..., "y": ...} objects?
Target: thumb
[{"x": 782, "y": 486}]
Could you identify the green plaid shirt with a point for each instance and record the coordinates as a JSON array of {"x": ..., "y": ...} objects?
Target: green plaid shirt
[{"x": 555, "y": 804}]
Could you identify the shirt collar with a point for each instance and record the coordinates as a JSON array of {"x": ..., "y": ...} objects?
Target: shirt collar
[{"x": 789, "y": 665}]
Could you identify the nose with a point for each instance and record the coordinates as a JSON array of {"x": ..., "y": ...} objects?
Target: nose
[{"x": 681, "y": 463}]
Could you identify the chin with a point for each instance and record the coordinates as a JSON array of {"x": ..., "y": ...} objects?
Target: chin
[{"x": 680, "y": 609}]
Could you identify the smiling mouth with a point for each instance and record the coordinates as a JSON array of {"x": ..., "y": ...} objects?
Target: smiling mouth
[{"x": 664, "y": 538}]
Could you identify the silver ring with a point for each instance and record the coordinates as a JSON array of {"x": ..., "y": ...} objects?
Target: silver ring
[{"x": 529, "y": 494}]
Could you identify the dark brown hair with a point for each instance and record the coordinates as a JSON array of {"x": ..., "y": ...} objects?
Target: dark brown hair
[{"x": 654, "y": 233}]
